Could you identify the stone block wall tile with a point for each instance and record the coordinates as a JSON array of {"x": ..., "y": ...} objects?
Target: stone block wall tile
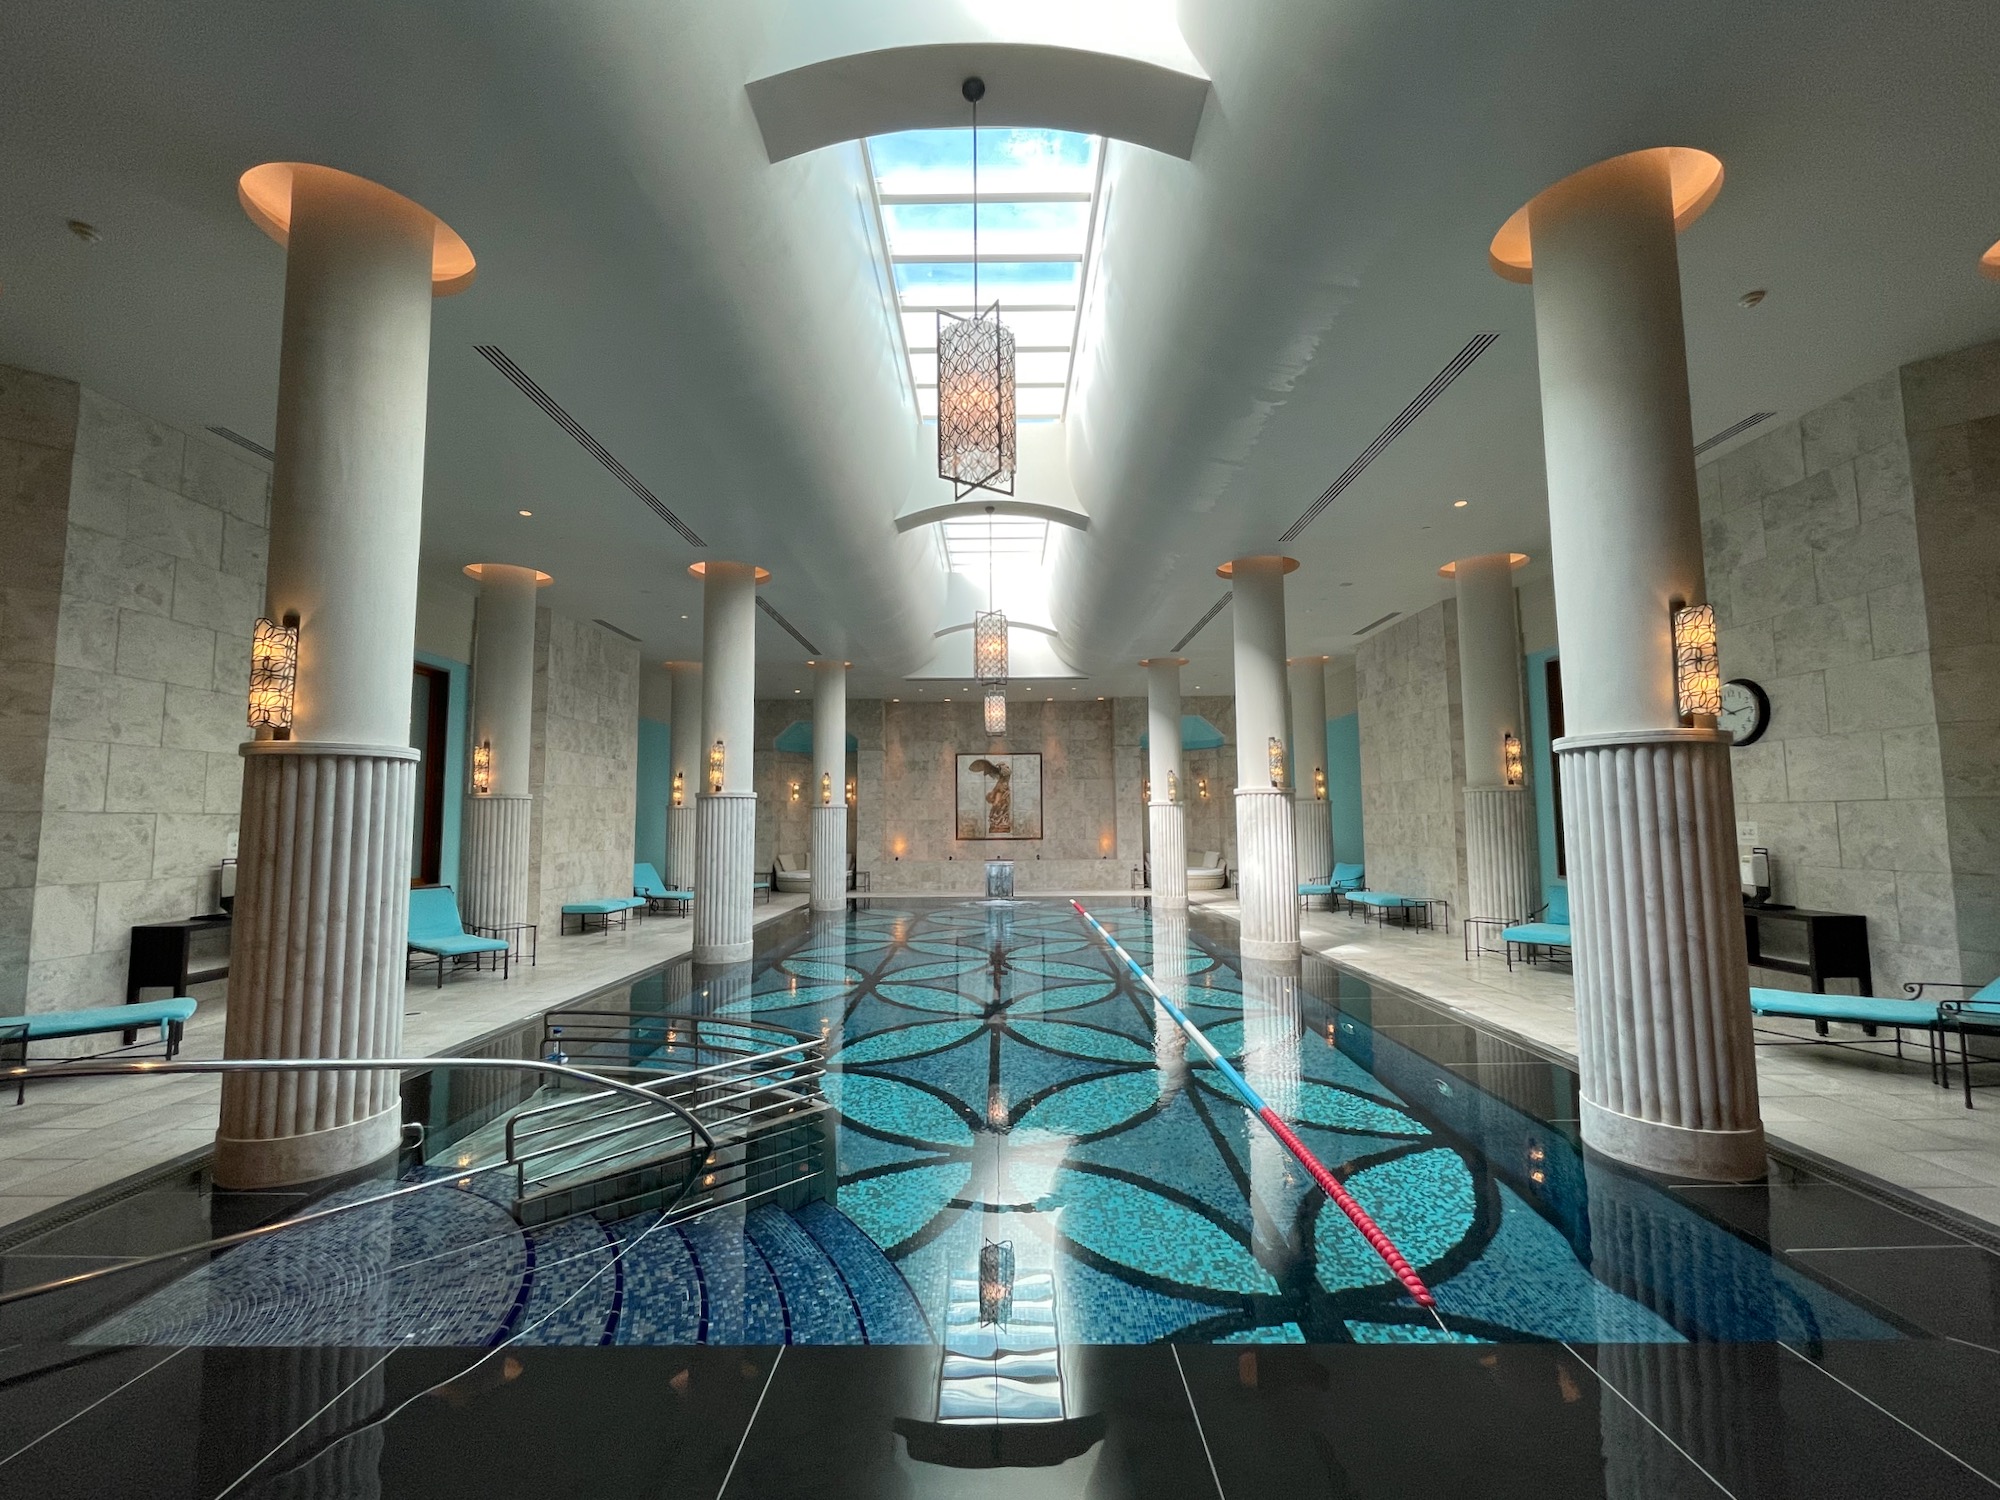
[
  {"x": 1762, "y": 465},
  {"x": 82, "y": 983},
  {"x": 1769, "y": 586},
  {"x": 100, "y": 497},
  {"x": 246, "y": 549},
  {"x": 1798, "y": 705},
  {"x": 125, "y": 904},
  {"x": 1748, "y": 651},
  {"x": 65, "y": 921},
  {"x": 104, "y": 707},
  {"x": 20, "y": 843},
  {"x": 218, "y": 476},
  {"x": 222, "y": 786},
  {"x": 1977, "y": 902},
  {"x": 1731, "y": 538},
  {"x": 37, "y": 538},
  {"x": 1884, "y": 835},
  {"x": 1821, "y": 636},
  {"x": 1708, "y": 489},
  {"x": 222, "y": 602},
  {"x": 1836, "y": 767},
  {"x": 1893, "y": 692},
  {"x": 116, "y": 437},
  {"x": 76, "y": 777},
  {"x": 232, "y": 664},
  {"x": 85, "y": 848},
  {"x": 39, "y": 409},
  {"x": 23, "y": 762},
  {"x": 1867, "y": 558},
  {"x": 87, "y": 634},
  {"x": 17, "y": 922},
  {"x": 1797, "y": 833},
  {"x": 1896, "y": 620},
  {"x": 1975, "y": 835},
  {"x": 29, "y": 624},
  {"x": 159, "y": 650},
  {"x": 1912, "y": 762},
  {"x": 1926, "y": 910},
  {"x": 198, "y": 720},
  {"x": 1898, "y": 964},
  {"x": 1882, "y": 489},
  {"x": 1872, "y": 893},
  {"x": 1864, "y": 418},
  {"x": 1964, "y": 614},
  {"x": 1969, "y": 757},
  {"x": 1818, "y": 506},
  {"x": 1966, "y": 682},
  {"x": 1952, "y": 389},
  {"x": 25, "y": 691},
  {"x": 171, "y": 523},
  {"x": 195, "y": 843},
  {"x": 109, "y": 570},
  {"x": 149, "y": 778}
]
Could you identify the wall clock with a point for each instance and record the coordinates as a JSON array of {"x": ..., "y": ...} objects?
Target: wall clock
[{"x": 1746, "y": 711}]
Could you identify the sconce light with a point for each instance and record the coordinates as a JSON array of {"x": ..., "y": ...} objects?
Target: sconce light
[
  {"x": 482, "y": 769},
  {"x": 274, "y": 676},
  {"x": 1510, "y": 754},
  {"x": 1319, "y": 783},
  {"x": 1201, "y": 787},
  {"x": 715, "y": 767},
  {"x": 1275, "y": 752},
  {"x": 680, "y": 788},
  {"x": 1146, "y": 789},
  {"x": 795, "y": 791},
  {"x": 1173, "y": 786},
  {"x": 1697, "y": 668},
  {"x": 826, "y": 789},
  {"x": 850, "y": 791}
]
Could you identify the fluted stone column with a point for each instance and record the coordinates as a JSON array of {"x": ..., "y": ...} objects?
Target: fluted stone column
[
  {"x": 726, "y": 817},
  {"x": 1170, "y": 973},
  {"x": 684, "y": 782},
  {"x": 828, "y": 857},
  {"x": 1503, "y": 878},
  {"x": 322, "y": 895},
  {"x": 1663, "y": 1017},
  {"x": 1312, "y": 817},
  {"x": 493, "y": 858},
  {"x": 1273, "y": 1031},
  {"x": 1267, "y": 860},
  {"x": 1166, "y": 809}
]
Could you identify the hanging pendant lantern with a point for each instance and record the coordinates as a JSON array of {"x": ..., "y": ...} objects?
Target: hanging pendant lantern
[
  {"x": 996, "y": 710},
  {"x": 989, "y": 648},
  {"x": 975, "y": 358}
]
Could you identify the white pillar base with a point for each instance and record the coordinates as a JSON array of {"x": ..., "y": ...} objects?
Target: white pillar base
[
  {"x": 680, "y": 848},
  {"x": 316, "y": 959},
  {"x": 1502, "y": 876},
  {"x": 493, "y": 860},
  {"x": 1168, "y": 830},
  {"x": 725, "y": 845},
  {"x": 1668, "y": 1066},
  {"x": 1267, "y": 879},
  {"x": 1314, "y": 826},
  {"x": 828, "y": 857}
]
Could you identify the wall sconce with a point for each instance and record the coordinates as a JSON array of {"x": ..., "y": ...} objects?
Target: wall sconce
[
  {"x": 1319, "y": 783},
  {"x": 826, "y": 789},
  {"x": 1173, "y": 786},
  {"x": 850, "y": 791},
  {"x": 274, "y": 676},
  {"x": 1201, "y": 787},
  {"x": 482, "y": 769},
  {"x": 1510, "y": 758},
  {"x": 1146, "y": 789},
  {"x": 680, "y": 788},
  {"x": 715, "y": 767},
  {"x": 795, "y": 791},
  {"x": 1275, "y": 752},
  {"x": 1697, "y": 667}
]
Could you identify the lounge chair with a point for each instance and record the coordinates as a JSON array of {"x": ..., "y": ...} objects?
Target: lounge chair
[
  {"x": 647, "y": 885},
  {"x": 1343, "y": 880},
  {"x": 171, "y": 1016},
  {"x": 1207, "y": 872},
  {"x": 1546, "y": 929},
  {"x": 604, "y": 908},
  {"x": 1384, "y": 903},
  {"x": 1865, "y": 1011},
  {"x": 1974, "y": 1014},
  {"x": 436, "y": 929},
  {"x": 790, "y": 872}
]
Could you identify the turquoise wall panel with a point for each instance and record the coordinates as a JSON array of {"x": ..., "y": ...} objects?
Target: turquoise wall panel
[
  {"x": 1343, "y": 787},
  {"x": 656, "y": 788}
]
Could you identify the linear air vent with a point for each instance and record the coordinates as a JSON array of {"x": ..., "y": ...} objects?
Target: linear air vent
[
  {"x": 1374, "y": 624},
  {"x": 786, "y": 625},
  {"x": 1754, "y": 419},
  {"x": 231, "y": 435},
  {"x": 1202, "y": 624},
  {"x": 1459, "y": 365},
  {"x": 615, "y": 630},
  {"x": 495, "y": 356}
]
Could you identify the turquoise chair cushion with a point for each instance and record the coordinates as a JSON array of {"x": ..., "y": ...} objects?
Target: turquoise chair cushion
[
  {"x": 1381, "y": 898},
  {"x": 1348, "y": 877},
  {"x": 1319, "y": 888},
  {"x": 53, "y": 1023},
  {"x": 1859, "y": 1010},
  {"x": 458, "y": 947},
  {"x": 1541, "y": 934},
  {"x": 434, "y": 915},
  {"x": 1558, "y": 912},
  {"x": 646, "y": 882},
  {"x": 602, "y": 906}
]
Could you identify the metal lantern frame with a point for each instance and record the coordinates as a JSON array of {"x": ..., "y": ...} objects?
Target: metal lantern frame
[
  {"x": 482, "y": 769},
  {"x": 274, "y": 675},
  {"x": 1697, "y": 662},
  {"x": 975, "y": 360}
]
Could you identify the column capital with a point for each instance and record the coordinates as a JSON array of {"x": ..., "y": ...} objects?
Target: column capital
[
  {"x": 266, "y": 195},
  {"x": 1262, "y": 563},
  {"x": 1695, "y": 175}
]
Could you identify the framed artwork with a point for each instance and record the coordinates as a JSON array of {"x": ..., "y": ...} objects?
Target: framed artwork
[{"x": 999, "y": 796}]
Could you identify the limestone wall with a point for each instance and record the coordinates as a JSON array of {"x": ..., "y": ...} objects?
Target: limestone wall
[
  {"x": 585, "y": 768},
  {"x": 1413, "y": 756}
]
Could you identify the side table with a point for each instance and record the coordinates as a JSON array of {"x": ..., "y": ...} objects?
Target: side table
[{"x": 512, "y": 931}]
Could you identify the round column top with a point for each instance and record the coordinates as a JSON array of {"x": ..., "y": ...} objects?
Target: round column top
[
  {"x": 1306, "y": 661},
  {"x": 1287, "y": 564},
  {"x": 1514, "y": 560},
  {"x": 828, "y": 664},
  {"x": 700, "y": 570},
  {"x": 1989, "y": 263},
  {"x": 479, "y": 571},
  {"x": 1697, "y": 179},
  {"x": 1163, "y": 661},
  {"x": 266, "y": 195}
]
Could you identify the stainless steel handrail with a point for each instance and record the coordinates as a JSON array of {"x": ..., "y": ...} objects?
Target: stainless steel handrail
[{"x": 158, "y": 1066}]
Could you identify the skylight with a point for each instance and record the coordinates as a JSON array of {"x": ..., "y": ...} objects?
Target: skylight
[{"x": 1037, "y": 220}]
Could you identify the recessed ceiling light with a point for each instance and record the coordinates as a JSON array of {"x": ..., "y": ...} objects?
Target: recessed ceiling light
[
  {"x": 530, "y": 513},
  {"x": 795, "y": 692},
  {"x": 683, "y": 617},
  {"x": 1752, "y": 297},
  {"x": 1460, "y": 504}
]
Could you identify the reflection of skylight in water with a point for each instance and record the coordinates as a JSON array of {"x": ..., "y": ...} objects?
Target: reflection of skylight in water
[{"x": 1037, "y": 223}]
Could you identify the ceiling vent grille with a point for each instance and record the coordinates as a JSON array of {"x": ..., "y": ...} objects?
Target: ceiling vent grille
[
  {"x": 786, "y": 625},
  {"x": 615, "y": 630},
  {"x": 1377, "y": 624},
  {"x": 231, "y": 435},
  {"x": 1756, "y": 418},
  {"x": 1417, "y": 407},
  {"x": 494, "y": 355},
  {"x": 1202, "y": 624}
]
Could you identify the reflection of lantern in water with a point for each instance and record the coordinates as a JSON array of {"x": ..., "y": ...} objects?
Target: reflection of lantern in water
[{"x": 996, "y": 1282}]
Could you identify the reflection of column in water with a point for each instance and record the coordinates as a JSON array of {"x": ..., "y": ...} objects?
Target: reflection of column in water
[
  {"x": 721, "y": 993},
  {"x": 1272, "y": 1031},
  {"x": 1719, "y": 1401},
  {"x": 1170, "y": 966},
  {"x": 255, "y": 1401}
]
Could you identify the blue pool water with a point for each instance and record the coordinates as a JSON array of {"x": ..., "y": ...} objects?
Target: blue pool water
[{"x": 1007, "y": 1096}]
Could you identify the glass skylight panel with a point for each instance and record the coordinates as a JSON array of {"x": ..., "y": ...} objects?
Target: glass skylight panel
[{"x": 1036, "y": 220}]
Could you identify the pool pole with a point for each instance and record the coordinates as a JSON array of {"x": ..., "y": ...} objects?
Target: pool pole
[{"x": 1379, "y": 1242}]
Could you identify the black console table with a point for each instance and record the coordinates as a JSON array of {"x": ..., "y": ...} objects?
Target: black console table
[
  {"x": 163, "y": 953},
  {"x": 1821, "y": 945}
]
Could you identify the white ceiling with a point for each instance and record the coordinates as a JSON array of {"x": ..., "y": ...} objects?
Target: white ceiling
[{"x": 722, "y": 324}]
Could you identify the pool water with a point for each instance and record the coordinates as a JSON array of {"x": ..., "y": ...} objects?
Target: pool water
[{"x": 1029, "y": 1156}]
